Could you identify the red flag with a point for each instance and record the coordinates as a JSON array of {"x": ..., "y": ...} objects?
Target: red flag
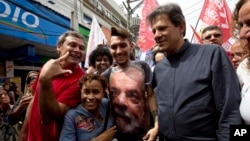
[
  {"x": 217, "y": 12},
  {"x": 146, "y": 37},
  {"x": 197, "y": 38}
]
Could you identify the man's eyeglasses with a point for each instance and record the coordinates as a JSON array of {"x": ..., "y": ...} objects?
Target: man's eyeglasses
[
  {"x": 237, "y": 55},
  {"x": 216, "y": 35}
]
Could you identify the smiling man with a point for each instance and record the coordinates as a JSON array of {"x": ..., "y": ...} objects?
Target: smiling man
[
  {"x": 196, "y": 88},
  {"x": 56, "y": 90}
]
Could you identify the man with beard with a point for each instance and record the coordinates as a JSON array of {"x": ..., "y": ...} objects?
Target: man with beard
[
  {"x": 127, "y": 92},
  {"x": 56, "y": 90},
  {"x": 129, "y": 104}
]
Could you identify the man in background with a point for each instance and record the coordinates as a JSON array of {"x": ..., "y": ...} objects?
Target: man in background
[
  {"x": 212, "y": 35},
  {"x": 239, "y": 51}
]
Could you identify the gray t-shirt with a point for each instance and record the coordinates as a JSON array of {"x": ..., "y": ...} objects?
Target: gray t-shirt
[{"x": 143, "y": 65}]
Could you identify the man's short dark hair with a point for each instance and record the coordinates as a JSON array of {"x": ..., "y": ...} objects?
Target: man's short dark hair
[
  {"x": 118, "y": 31},
  {"x": 211, "y": 27},
  {"x": 172, "y": 10},
  {"x": 63, "y": 37}
]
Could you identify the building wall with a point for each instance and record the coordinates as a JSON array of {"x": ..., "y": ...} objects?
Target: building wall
[{"x": 107, "y": 12}]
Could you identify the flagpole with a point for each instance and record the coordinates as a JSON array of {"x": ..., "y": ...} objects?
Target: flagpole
[{"x": 198, "y": 21}]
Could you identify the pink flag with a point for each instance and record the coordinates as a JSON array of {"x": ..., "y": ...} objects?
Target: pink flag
[
  {"x": 197, "y": 38},
  {"x": 146, "y": 37},
  {"x": 217, "y": 12}
]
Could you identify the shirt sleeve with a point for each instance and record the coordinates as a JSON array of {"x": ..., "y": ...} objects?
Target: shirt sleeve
[{"x": 226, "y": 93}]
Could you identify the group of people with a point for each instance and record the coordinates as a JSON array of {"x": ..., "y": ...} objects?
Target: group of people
[
  {"x": 193, "y": 92},
  {"x": 13, "y": 105}
]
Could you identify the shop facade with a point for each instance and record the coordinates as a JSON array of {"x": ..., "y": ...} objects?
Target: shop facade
[{"x": 28, "y": 36}]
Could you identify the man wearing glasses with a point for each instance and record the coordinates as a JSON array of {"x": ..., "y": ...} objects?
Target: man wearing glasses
[
  {"x": 239, "y": 51},
  {"x": 211, "y": 35}
]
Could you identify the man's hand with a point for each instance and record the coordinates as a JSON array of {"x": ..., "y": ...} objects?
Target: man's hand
[
  {"x": 107, "y": 135},
  {"x": 24, "y": 102},
  {"x": 151, "y": 134},
  {"x": 53, "y": 68}
]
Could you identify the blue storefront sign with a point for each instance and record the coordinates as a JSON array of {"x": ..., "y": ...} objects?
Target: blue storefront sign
[{"x": 28, "y": 20}]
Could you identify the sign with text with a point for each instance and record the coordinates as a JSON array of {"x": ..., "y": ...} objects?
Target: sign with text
[{"x": 31, "y": 21}]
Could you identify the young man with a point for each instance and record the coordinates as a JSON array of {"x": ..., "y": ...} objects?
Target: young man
[
  {"x": 196, "y": 88},
  {"x": 120, "y": 47},
  {"x": 56, "y": 90}
]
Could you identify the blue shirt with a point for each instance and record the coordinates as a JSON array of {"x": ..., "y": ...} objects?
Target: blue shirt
[
  {"x": 198, "y": 94},
  {"x": 80, "y": 125}
]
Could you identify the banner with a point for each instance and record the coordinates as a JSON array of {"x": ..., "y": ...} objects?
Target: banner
[
  {"x": 146, "y": 37},
  {"x": 96, "y": 37},
  {"x": 217, "y": 12}
]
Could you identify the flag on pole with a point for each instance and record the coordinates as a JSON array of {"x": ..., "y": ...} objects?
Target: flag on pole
[
  {"x": 217, "y": 12},
  {"x": 197, "y": 38},
  {"x": 146, "y": 37},
  {"x": 96, "y": 37}
]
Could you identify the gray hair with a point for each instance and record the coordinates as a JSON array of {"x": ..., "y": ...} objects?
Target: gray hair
[{"x": 63, "y": 37}]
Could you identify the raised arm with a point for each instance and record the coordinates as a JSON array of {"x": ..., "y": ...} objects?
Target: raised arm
[
  {"x": 49, "y": 108},
  {"x": 19, "y": 109}
]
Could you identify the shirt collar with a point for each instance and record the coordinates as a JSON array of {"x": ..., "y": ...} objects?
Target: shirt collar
[{"x": 181, "y": 50}]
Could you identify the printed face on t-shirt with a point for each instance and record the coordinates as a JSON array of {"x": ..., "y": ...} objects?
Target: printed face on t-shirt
[{"x": 128, "y": 98}]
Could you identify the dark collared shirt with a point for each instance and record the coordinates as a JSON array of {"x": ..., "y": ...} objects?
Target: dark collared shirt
[{"x": 198, "y": 94}]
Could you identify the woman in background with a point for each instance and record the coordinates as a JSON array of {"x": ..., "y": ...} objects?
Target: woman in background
[{"x": 19, "y": 110}]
